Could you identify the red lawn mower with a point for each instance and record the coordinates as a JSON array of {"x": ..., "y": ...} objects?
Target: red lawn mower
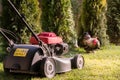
[{"x": 42, "y": 56}]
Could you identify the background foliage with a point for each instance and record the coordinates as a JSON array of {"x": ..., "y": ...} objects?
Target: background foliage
[
  {"x": 93, "y": 19},
  {"x": 29, "y": 10},
  {"x": 57, "y": 17},
  {"x": 113, "y": 23},
  {"x": 76, "y": 8}
]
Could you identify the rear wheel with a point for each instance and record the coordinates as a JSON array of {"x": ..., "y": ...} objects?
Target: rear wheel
[
  {"x": 77, "y": 62},
  {"x": 47, "y": 67}
]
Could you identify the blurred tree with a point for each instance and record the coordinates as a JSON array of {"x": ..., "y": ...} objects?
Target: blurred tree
[
  {"x": 29, "y": 10},
  {"x": 113, "y": 22},
  {"x": 93, "y": 19},
  {"x": 57, "y": 17},
  {"x": 0, "y": 8},
  {"x": 1, "y": 39},
  {"x": 76, "y": 8}
]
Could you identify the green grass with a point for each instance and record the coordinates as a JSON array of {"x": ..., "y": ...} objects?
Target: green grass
[{"x": 104, "y": 64}]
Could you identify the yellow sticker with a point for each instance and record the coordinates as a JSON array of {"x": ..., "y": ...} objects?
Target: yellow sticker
[{"x": 21, "y": 52}]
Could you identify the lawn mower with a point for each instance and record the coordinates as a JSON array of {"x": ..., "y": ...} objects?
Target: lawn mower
[{"x": 42, "y": 57}]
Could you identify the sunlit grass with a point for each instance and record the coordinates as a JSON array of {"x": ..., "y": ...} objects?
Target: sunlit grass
[{"x": 104, "y": 64}]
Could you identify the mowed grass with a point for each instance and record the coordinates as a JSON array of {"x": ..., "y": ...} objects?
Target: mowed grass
[{"x": 104, "y": 64}]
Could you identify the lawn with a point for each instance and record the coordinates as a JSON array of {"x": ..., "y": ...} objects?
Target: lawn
[{"x": 104, "y": 64}]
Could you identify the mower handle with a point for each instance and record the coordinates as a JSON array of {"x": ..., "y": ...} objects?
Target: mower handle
[
  {"x": 24, "y": 21},
  {"x": 28, "y": 26},
  {"x": 11, "y": 43}
]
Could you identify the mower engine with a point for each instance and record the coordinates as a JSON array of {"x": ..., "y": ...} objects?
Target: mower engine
[{"x": 55, "y": 43}]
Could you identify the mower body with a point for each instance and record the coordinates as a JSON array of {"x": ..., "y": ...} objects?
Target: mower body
[
  {"x": 28, "y": 58},
  {"x": 34, "y": 59}
]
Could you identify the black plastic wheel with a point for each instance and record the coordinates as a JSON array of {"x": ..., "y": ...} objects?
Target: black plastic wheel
[
  {"x": 77, "y": 62},
  {"x": 47, "y": 68}
]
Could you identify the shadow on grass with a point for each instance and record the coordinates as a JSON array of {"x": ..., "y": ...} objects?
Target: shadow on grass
[
  {"x": 18, "y": 76},
  {"x": 13, "y": 76}
]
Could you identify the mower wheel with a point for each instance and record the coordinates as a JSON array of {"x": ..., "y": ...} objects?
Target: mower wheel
[
  {"x": 77, "y": 62},
  {"x": 47, "y": 67}
]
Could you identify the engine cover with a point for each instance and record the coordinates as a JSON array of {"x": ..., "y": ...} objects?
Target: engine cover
[{"x": 47, "y": 37}]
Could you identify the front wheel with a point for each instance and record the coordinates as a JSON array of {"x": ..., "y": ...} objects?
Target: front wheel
[
  {"x": 77, "y": 62},
  {"x": 47, "y": 67}
]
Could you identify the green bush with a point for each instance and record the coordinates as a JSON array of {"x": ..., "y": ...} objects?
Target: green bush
[
  {"x": 93, "y": 19},
  {"x": 113, "y": 16},
  {"x": 29, "y": 9},
  {"x": 57, "y": 17}
]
